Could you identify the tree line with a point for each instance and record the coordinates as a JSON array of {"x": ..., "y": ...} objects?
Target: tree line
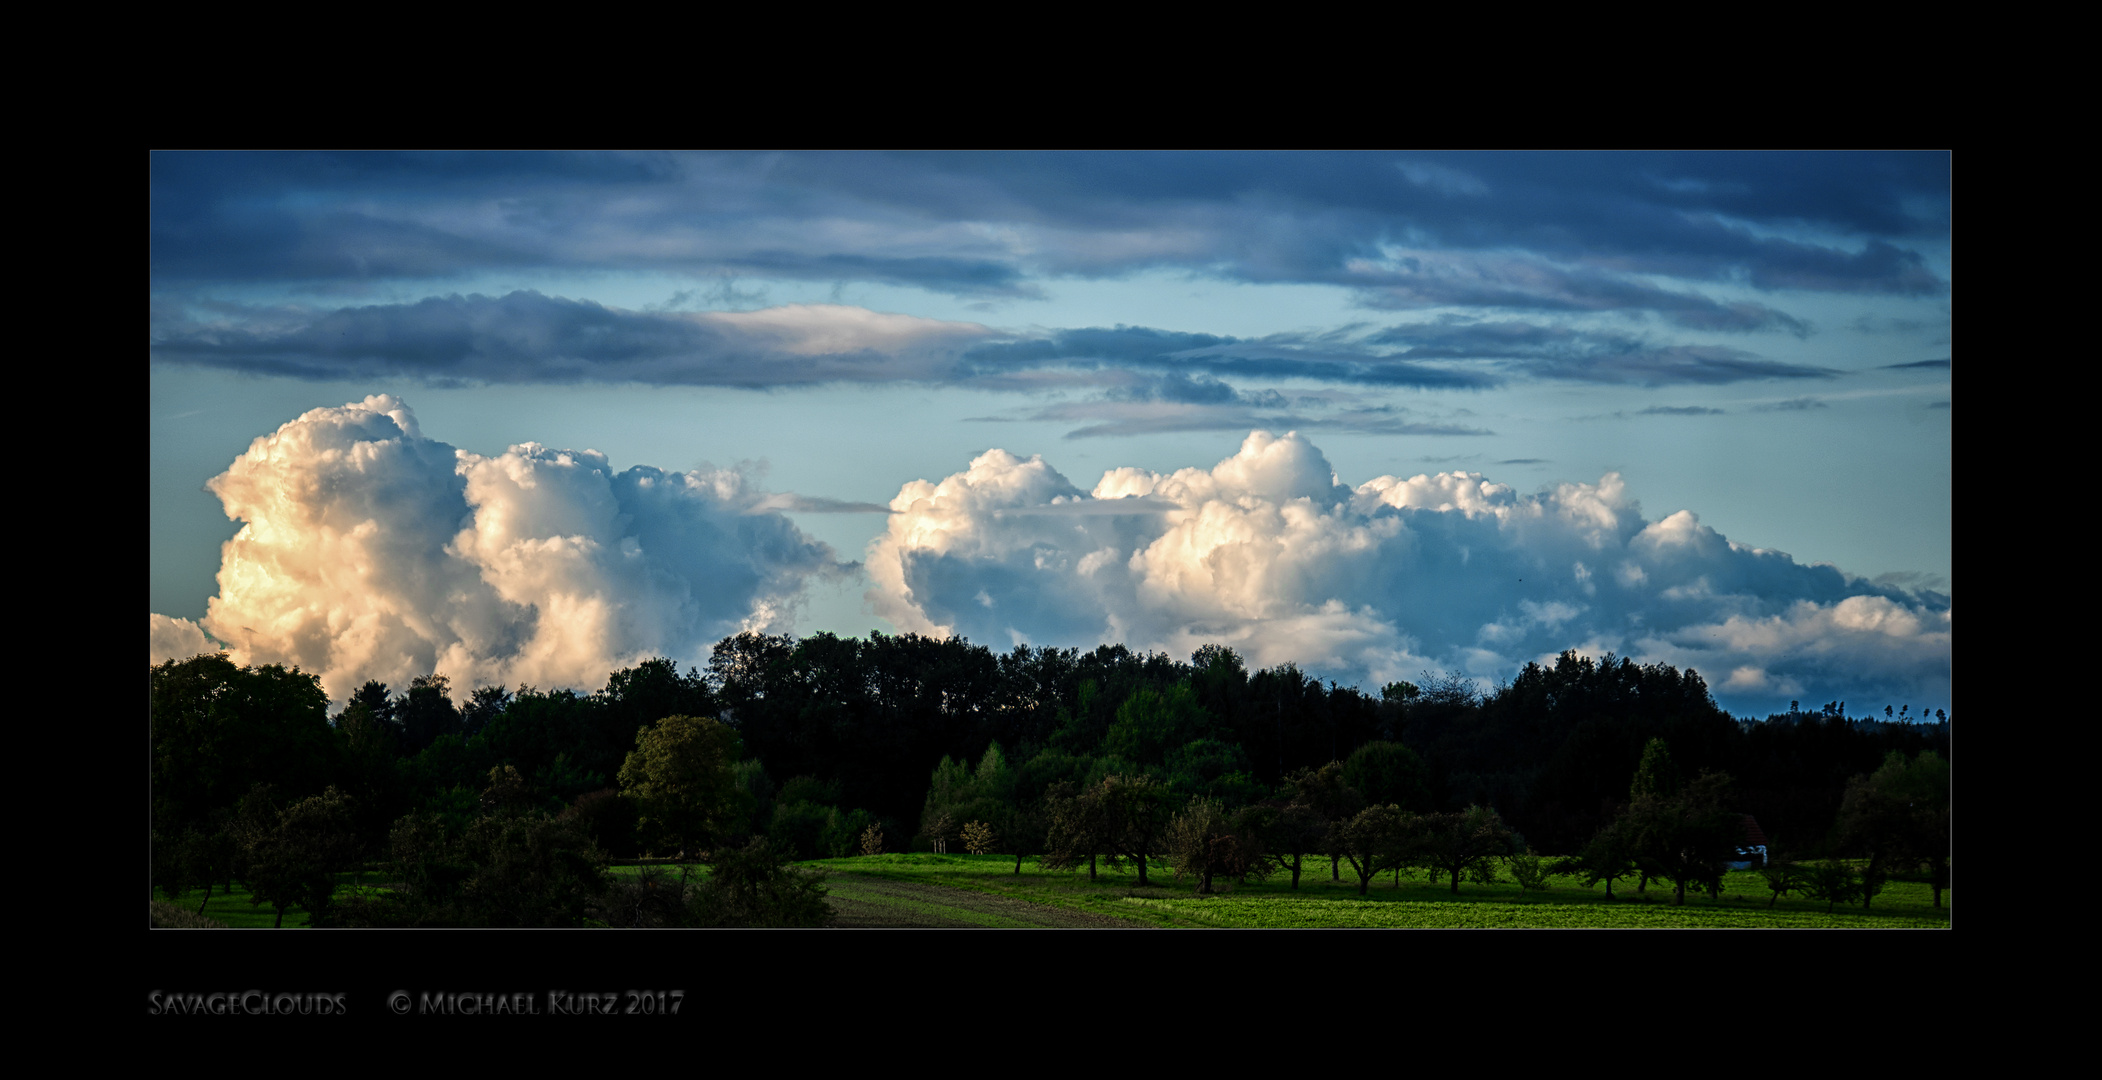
[{"x": 832, "y": 745}]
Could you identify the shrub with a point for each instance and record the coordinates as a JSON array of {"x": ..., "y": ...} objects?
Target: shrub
[
  {"x": 979, "y": 838},
  {"x": 754, "y": 886},
  {"x": 1529, "y": 870}
]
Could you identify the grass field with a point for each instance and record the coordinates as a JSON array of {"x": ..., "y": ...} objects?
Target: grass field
[
  {"x": 962, "y": 891},
  {"x": 233, "y": 908},
  {"x": 1319, "y": 902}
]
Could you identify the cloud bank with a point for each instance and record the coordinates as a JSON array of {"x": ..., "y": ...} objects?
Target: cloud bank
[
  {"x": 528, "y": 337},
  {"x": 1270, "y": 553},
  {"x": 1545, "y": 231},
  {"x": 372, "y": 552}
]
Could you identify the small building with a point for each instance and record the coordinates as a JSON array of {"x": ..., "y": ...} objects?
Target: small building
[{"x": 1751, "y": 853}]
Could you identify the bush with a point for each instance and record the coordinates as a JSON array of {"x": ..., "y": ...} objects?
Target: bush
[
  {"x": 754, "y": 886},
  {"x": 503, "y": 870},
  {"x": 1529, "y": 870},
  {"x": 1831, "y": 881}
]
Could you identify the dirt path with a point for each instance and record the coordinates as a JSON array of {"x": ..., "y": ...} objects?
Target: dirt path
[{"x": 864, "y": 902}]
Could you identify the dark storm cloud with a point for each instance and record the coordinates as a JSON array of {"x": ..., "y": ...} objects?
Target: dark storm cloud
[
  {"x": 528, "y": 337},
  {"x": 1831, "y": 222},
  {"x": 1679, "y": 410},
  {"x": 1942, "y": 363},
  {"x": 365, "y": 217}
]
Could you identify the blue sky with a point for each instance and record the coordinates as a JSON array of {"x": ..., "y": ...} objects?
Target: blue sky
[{"x": 375, "y": 364}]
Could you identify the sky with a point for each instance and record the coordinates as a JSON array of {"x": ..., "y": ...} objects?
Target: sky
[{"x": 528, "y": 418}]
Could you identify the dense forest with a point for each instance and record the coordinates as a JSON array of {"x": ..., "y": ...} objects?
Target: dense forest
[{"x": 835, "y": 743}]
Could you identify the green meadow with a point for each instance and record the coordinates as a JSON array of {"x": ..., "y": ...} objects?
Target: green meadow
[
  {"x": 1414, "y": 902},
  {"x": 983, "y": 891}
]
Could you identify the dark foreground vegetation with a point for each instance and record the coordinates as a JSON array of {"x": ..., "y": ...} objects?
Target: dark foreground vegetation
[{"x": 512, "y": 810}]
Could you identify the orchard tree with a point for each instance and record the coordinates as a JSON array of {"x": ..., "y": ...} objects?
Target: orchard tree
[
  {"x": 1688, "y": 838},
  {"x": 1468, "y": 842},
  {"x": 1327, "y": 795},
  {"x": 1137, "y": 812},
  {"x": 1291, "y": 829},
  {"x": 1898, "y": 818},
  {"x": 1609, "y": 855},
  {"x": 293, "y": 855},
  {"x": 1078, "y": 826},
  {"x": 1377, "y": 838},
  {"x": 1204, "y": 841}
]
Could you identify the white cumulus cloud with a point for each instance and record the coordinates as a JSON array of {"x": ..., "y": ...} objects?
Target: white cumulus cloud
[
  {"x": 1270, "y": 553},
  {"x": 369, "y": 551},
  {"x": 175, "y": 639}
]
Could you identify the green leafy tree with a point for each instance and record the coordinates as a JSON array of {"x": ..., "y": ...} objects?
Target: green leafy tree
[
  {"x": 1152, "y": 722},
  {"x": 608, "y": 819},
  {"x": 1389, "y": 773},
  {"x": 1688, "y": 838},
  {"x": 217, "y": 730},
  {"x": 1832, "y": 881},
  {"x": 292, "y": 856},
  {"x": 1214, "y": 769},
  {"x": 1137, "y": 812},
  {"x": 1377, "y": 838},
  {"x": 1326, "y": 794},
  {"x": 1783, "y": 875},
  {"x": 1530, "y": 871},
  {"x": 1204, "y": 841},
  {"x": 1465, "y": 843},
  {"x": 1898, "y": 819},
  {"x": 426, "y": 712},
  {"x": 202, "y": 855},
  {"x": 520, "y": 869},
  {"x": 1608, "y": 856},
  {"x": 1291, "y": 830},
  {"x": 979, "y": 838},
  {"x": 1656, "y": 776},
  {"x": 682, "y": 776}
]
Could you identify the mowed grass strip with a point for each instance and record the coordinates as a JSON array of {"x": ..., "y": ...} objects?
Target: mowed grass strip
[
  {"x": 864, "y": 901},
  {"x": 877, "y": 902},
  {"x": 1280, "y": 913}
]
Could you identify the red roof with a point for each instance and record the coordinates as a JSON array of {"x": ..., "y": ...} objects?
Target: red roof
[{"x": 1753, "y": 835}]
